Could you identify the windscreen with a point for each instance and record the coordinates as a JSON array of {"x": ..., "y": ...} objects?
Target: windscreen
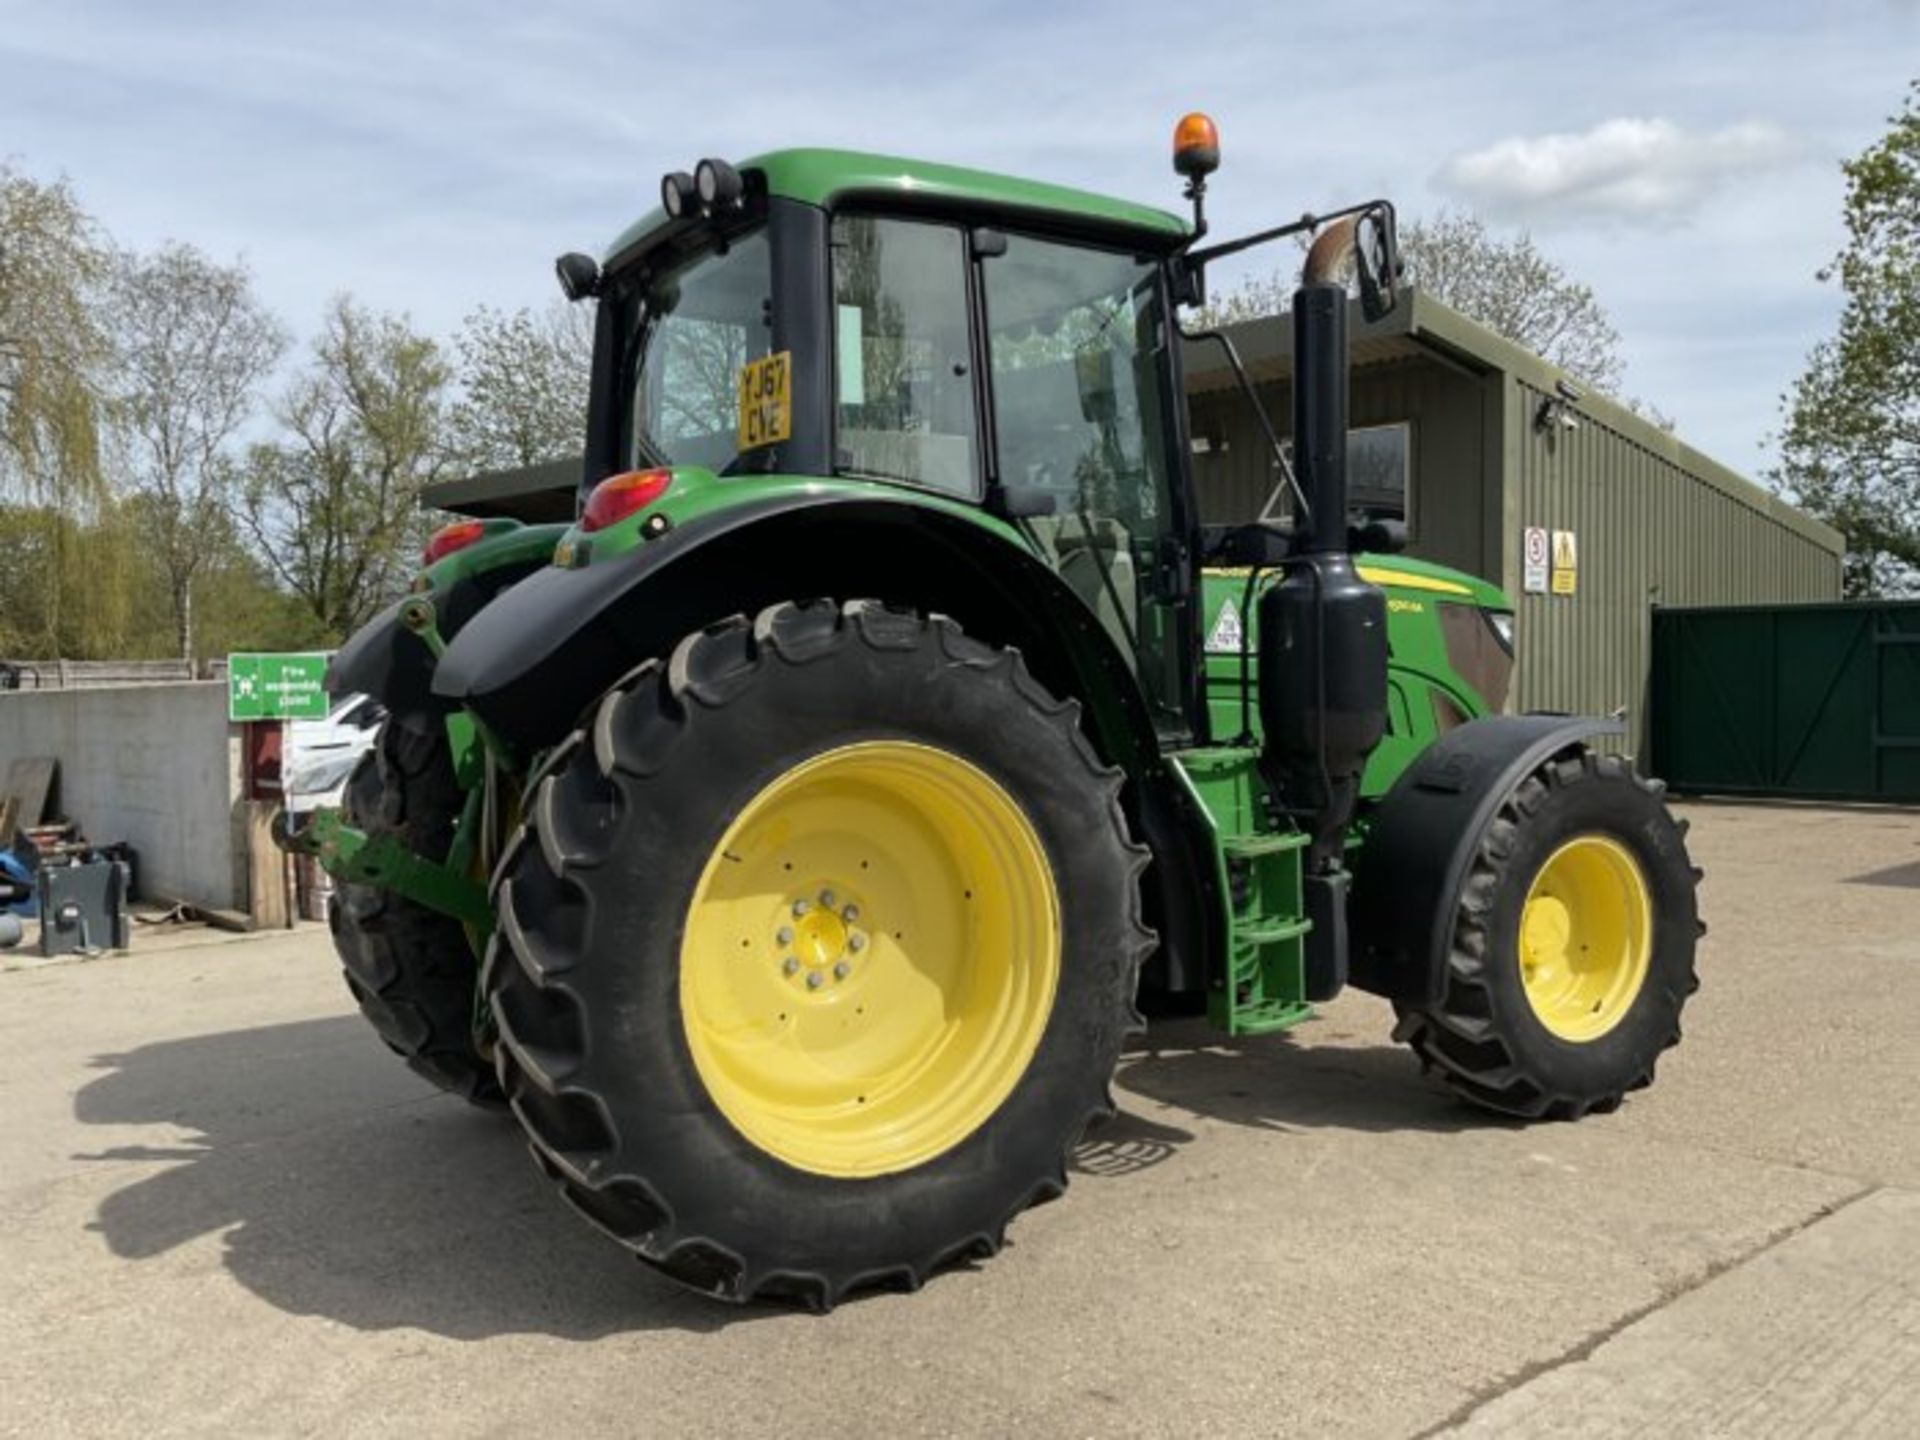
[{"x": 691, "y": 330}]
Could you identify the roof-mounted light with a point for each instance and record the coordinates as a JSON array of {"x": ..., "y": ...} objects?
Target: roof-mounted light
[
  {"x": 1196, "y": 146},
  {"x": 678, "y": 194},
  {"x": 718, "y": 184}
]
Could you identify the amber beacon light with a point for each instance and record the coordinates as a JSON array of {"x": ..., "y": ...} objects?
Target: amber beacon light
[{"x": 1196, "y": 146}]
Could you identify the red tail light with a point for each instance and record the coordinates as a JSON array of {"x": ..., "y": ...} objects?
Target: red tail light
[
  {"x": 449, "y": 538},
  {"x": 619, "y": 496}
]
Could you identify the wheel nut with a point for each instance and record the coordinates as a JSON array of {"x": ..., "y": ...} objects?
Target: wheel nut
[
  {"x": 790, "y": 965},
  {"x": 850, "y": 913},
  {"x": 826, "y": 898},
  {"x": 814, "y": 979},
  {"x": 856, "y": 942},
  {"x": 800, "y": 907},
  {"x": 784, "y": 935},
  {"x": 842, "y": 970}
]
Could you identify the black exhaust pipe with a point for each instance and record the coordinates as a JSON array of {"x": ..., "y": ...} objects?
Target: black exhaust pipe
[{"x": 1323, "y": 630}]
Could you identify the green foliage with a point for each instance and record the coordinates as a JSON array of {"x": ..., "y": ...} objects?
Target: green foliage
[
  {"x": 335, "y": 504},
  {"x": 523, "y": 387},
  {"x": 52, "y": 342},
  {"x": 1505, "y": 283},
  {"x": 1850, "y": 448},
  {"x": 192, "y": 345}
]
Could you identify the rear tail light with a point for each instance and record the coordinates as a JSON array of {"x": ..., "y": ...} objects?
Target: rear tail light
[
  {"x": 619, "y": 496},
  {"x": 449, "y": 538}
]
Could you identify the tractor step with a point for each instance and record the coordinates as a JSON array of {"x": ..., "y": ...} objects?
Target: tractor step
[{"x": 1262, "y": 986}]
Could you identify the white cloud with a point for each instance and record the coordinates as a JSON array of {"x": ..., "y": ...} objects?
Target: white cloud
[{"x": 1648, "y": 171}]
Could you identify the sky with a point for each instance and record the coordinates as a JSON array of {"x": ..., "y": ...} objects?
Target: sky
[{"x": 1682, "y": 159}]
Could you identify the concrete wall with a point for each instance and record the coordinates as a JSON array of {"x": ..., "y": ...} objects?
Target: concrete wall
[{"x": 155, "y": 765}]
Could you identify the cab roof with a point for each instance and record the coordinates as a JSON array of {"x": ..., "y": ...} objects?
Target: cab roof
[{"x": 822, "y": 177}]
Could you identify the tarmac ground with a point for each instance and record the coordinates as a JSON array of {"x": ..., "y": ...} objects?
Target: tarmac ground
[{"x": 225, "y": 1208}]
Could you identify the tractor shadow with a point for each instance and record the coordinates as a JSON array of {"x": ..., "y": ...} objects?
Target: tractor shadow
[
  {"x": 1287, "y": 1081},
  {"x": 341, "y": 1187}
]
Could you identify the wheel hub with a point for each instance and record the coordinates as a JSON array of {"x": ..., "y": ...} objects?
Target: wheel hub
[
  {"x": 820, "y": 946},
  {"x": 1586, "y": 938}
]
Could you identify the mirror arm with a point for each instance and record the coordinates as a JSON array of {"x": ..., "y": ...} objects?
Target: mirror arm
[{"x": 1278, "y": 232}]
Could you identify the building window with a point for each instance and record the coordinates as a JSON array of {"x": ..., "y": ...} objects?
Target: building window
[
  {"x": 1379, "y": 471},
  {"x": 1379, "y": 475}
]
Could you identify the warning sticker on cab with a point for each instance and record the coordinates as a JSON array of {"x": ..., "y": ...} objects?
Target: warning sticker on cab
[{"x": 766, "y": 400}]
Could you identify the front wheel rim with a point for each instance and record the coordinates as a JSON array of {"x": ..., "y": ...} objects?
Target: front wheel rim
[
  {"x": 1586, "y": 938},
  {"x": 870, "y": 958}
]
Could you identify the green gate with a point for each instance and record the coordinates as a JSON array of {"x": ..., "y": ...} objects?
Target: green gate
[{"x": 1813, "y": 702}]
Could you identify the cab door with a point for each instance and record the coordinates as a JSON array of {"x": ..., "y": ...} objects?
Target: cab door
[{"x": 1079, "y": 379}]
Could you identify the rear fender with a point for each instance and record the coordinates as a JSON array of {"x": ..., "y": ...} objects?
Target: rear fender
[
  {"x": 530, "y": 664},
  {"x": 1421, "y": 839}
]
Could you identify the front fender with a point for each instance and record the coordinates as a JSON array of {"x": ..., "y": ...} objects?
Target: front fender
[
  {"x": 386, "y": 660},
  {"x": 1422, "y": 837}
]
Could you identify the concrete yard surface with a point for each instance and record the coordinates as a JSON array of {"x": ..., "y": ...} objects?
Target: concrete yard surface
[{"x": 225, "y": 1208}]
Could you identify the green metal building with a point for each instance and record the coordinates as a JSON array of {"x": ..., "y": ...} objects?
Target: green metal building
[{"x": 1474, "y": 442}]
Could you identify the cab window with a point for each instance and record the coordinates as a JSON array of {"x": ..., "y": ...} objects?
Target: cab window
[{"x": 904, "y": 403}]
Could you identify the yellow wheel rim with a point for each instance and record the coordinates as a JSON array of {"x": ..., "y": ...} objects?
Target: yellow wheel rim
[
  {"x": 870, "y": 958},
  {"x": 1586, "y": 937}
]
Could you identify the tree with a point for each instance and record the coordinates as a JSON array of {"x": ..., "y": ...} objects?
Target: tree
[
  {"x": 523, "y": 386},
  {"x": 192, "y": 346},
  {"x": 1510, "y": 287},
  {"x": 1507, "y": 285},
  {"x": 52, "y": 347},
  {"x": 335, "y": 504},
  {"x": 1850, "y": 447},
  {"x": 52, "y": 261}
]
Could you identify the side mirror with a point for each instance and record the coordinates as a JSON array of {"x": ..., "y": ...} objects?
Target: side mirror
[
  {"x": 1377, "y": 256},
  {"x": 579, "y": 275}
]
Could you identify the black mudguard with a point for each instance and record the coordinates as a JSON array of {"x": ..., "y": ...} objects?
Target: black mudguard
[
  {"x": 386, "y": 660},
  {"x": 1421, "y": 839},
  {"x": 531, "y": 664}
]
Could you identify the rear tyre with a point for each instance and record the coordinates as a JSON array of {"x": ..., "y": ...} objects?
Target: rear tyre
[
  {"x": 411, "y": 970},
  {"x": 816, "y": 953},
  {"x": 1572, "y": 947}
]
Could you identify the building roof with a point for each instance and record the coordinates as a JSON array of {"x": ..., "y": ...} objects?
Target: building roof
[
  {"x": 1422, "y": 328},
  {"x": 821, "y": 177}
]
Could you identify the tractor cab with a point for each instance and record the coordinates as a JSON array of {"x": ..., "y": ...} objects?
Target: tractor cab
[{"x": 1024, "y": 367}]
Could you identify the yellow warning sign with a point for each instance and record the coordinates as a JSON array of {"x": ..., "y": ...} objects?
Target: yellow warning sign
[
  {"x": 1566, "y": 563},
  {"x": 766, "y": 400}
]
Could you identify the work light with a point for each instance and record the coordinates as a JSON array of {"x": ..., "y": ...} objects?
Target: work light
[{"x": 718, "y": 183}]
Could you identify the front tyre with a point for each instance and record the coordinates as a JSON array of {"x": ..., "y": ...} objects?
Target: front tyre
[
  {"x": 817, "y": 952},
  {"x": 412, "y": 970},
  {"x": 1572, "y": 949}
]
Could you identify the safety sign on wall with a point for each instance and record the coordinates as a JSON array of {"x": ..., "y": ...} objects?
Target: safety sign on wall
[
  {"x": 1566, "y": 563},
  {"x": 1533, "y": 553}
]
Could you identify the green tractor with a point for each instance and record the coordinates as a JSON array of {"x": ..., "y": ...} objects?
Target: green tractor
[{"x": 792, "y": 841}]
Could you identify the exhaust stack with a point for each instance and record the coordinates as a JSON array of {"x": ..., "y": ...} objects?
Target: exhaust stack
[{"x": 1323, "y": 630}]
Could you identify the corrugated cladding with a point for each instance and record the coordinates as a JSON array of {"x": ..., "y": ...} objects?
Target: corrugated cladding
[{"x": 1649, "y": 530}]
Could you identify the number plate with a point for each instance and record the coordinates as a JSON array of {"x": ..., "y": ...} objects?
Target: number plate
[{"x": 766, "y": 400}]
